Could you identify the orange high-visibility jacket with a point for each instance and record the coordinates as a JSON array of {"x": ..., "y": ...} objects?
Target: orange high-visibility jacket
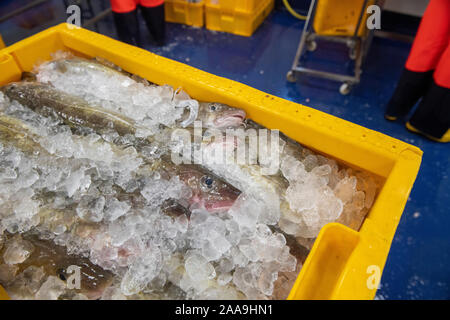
[
  {"x": 123, "y": 6},
  {"x": 431, "y": 48}
]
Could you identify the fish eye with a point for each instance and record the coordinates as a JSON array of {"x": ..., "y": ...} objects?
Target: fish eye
[
  {"x": 207, "y": 181},
  {"x": 215, "y": 107},
  {"x": 61, "y": 274}
]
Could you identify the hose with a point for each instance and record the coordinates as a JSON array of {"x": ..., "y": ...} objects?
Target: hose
[{"x": 292, "y": 11}]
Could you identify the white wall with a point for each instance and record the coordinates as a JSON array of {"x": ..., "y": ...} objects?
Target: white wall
[{"x": 411, "y": 7}]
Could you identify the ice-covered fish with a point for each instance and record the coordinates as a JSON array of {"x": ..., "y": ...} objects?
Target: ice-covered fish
[
  {"x": 99, "y": 64},
  {"x": 42, "y": 269},
  {"x": 13, "y": 131},
  {"x": 212, "y": 115},
  {"x": 46, "y": 100},
  {"x": 207, "y": 189},
  {"x": 119, "y": 91},
  {"x": 299, "y": 199}
]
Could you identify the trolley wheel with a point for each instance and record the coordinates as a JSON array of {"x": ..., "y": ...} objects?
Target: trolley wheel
[
  {"x": 345, "y": 88},
  {"x": 291, "y": 76},
  {"x": 311, "y": 45}
]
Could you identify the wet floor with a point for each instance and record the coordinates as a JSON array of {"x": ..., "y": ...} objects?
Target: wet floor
[{"x": 419, "y": 260}]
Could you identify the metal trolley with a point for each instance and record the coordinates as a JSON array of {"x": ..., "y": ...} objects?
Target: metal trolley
[{"x": 357, "y": 44}]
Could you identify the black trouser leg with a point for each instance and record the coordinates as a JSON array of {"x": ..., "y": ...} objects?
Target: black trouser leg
[
  {"x": 433, "y": 113},
  {"x": 155, "y": 20},
  {"x": 127, "y": 27},
  {"x": 410, "y": 88}
]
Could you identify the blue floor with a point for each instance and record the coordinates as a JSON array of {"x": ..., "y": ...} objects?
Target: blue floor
[{"x": 419, "y": 260}]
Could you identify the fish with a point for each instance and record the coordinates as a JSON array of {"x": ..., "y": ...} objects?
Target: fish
[
  {"x": 104, "y": 69},
  {"x": 208, "y": 189},
  {"x": 220, "y": 116},
  {"x": 212, "y": 115},
  {"x": 98, "y": 64},
  {"x": 53, "y": 260},
  {"x": 13, "y": 131},
  {"x": 23, "y": 136},
  {"x": 48, "y": 101}
]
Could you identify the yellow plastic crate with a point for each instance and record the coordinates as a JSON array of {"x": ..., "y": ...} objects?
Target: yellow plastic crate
[
  {"x": 240, "y": 5},
  {"x": 181, "y": 11},
  {"x": 337, "y": 266},
  {"x": 339, "y": 18},
  {"x": 231, "y": 20}
]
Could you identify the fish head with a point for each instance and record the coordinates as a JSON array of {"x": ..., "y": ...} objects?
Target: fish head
[
  {"x": 54, "y": 260},
  {"x": 93, "y": 279},
  {"x": 12, "y": 89},
  {"x": 220, "y": 116},
  {"x": 22, "y": 90},
  {"x": 208, "y": 190}
]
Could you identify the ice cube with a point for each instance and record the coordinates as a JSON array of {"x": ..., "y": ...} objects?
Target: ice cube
[
  {"x": 115, "y": 209},
  {"x": 8, "y": 272},
  {"x": 141, "y": 272},
  {"x": 198, "y": 268},
  {"x": 17, "y": 251},
  {"x": 112, "y": 293},
  {"x": 90, "y": 208},
  {"x": 345, "y": 189},
  {"x": 224, "y": 278},
  {"x": 51, "y": 289}
]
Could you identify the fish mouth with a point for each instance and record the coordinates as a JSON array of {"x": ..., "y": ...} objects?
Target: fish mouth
[
  {"x": 224, "y": 202},
  {"x": 230, "y": 119},
  {"x": 212, "y": 206},
  {"x": 219, "y": 206}
]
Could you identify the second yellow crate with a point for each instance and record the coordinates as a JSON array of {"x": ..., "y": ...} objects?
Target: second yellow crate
[
  {"x": 240, "y": 5},
  {"x": 242, "y": 23},
  {"x": 181, "y": 11}
]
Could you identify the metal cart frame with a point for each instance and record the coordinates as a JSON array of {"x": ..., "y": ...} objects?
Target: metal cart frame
[{"x": 358, "y": 48}]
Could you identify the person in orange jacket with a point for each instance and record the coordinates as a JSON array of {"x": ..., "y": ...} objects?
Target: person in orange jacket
[
  {"x": 126, "y": 20},
  {"x": 426, "y": 76}
]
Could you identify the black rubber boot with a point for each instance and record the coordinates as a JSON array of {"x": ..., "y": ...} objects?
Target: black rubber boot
[
  {"x": 127, "y": 27},
  {"x": 432, "y": 116},
  {"x": 154, "y": 18},
  {"x": 410, "y": 88}
]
